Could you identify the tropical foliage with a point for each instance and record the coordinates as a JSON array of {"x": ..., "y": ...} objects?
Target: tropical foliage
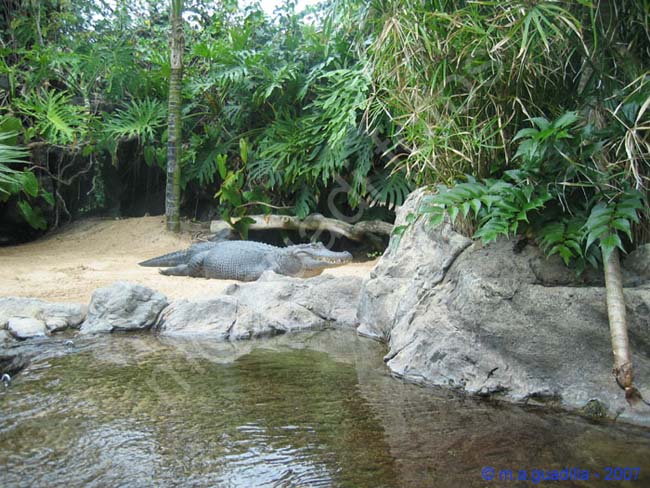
[
  {"x": 93, "y": 100},
  {"x": 533, "y": 114}
]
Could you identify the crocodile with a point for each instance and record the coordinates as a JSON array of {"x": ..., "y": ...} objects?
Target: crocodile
[{"x": 247, "y": 260}]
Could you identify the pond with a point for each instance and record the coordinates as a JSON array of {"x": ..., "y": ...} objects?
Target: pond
[{"x": 312, "y": 409}]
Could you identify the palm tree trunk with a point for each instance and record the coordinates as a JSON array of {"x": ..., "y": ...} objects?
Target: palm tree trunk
[
  {"x": 173, "y": 191},
  {"x": 618, "y": 322}
]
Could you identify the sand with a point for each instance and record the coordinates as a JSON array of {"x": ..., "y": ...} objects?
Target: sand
[{"x": 68, "y": 265}]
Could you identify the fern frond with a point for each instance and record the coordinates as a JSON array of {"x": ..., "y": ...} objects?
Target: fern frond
[
  {"x": 10, "y": 154},
  {"x": 389, "y": 190},
  {"x": 140, "y": 120},
  {"x": 56, "y": 118}
]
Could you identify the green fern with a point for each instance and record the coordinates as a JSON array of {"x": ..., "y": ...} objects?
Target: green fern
[
  {"x": 141, "y": 120},
  {"x": 565, "y": 238},
  {"x": 10, "y": 154},
  {"x": 499, "y": 207},
  {"x": 56, "y": 119},
  {"x": 203, "y": 170},
  {"x": 305, "y": 202},
  {"x": 608, "y": 220},
  {"x": 389, "y": 190}
]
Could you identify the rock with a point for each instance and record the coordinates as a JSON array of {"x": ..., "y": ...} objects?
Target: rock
[
  {"x": 12, "y": 364},
  {"x": 272, "y": 305},
  {"x": 637, "y": 263},
  {"x": 26, "y": 327},
  {"x": 215, "y": 317},
  {"x": 511, "y": 325},
  {"x": 411, "y": 265},
  {"x": 123, "y": 306},
  {"x": 5, "y": 337},
  {"x": 324, "y": 298},
  {"x": 55, "y": 316}
]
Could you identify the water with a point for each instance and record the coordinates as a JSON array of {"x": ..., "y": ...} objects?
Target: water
[{"x": 313, "y": 409}]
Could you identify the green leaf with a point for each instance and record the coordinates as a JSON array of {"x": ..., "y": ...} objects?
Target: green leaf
[
  {"x": 566, "y": 254},
  {"x": 12, "y": 126},
  {"x": 622, "y": 225},
  {"x": 33, "y": 216},
  {"x": 221, "y": 164},
  {"x": 566, "y": 119},
  {"x": 595, "y": 234},
  {"x": 466, "y": 207},
  {"x": 243, "y": 150},
  {"x": 436, "y": 219},
  {"x": 629, "y": 212},
  {"x": 48, "y": 197},
  {"x": 476, "y": 206},
  {"x": 453, "y": 213},
  {"x": 29, "y": 183},
  {"x": 527, "y": 132},
  {"x": 608, "y": 243},
  {"x": 490, "y": 200},
  {"x": 149, "y": 155},
  {"x": 541, "y": 123}
]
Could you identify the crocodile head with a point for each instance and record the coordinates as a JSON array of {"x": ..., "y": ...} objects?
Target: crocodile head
[{"x": 312, "y": 259}]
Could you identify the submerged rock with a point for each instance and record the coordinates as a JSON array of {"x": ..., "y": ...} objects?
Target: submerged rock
[
  {"x": 499, "y": 321},
  {"x": 272, "y": 305},
  {"x": 5, "y": 338},
  {"x": 123, "y": 306},
  {"x": 30, "y": 317},
  {"x": 12, "y": 364}
]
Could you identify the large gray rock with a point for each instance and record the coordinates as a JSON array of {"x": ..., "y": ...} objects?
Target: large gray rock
[
  {"x": 412, "y": 265},
  {"x": 214, "y": 317},
  {"x": 123, "y": 306},
  {"x": 327, "y": 298},
  {"x": 40, "y": 317},
  {"x": 511, "y": 325},
  {"x": 272, "y": 305},
  {"x": 26, "y": 327}
]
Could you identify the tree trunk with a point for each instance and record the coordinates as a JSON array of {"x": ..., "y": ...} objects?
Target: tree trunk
[
  {"x": 618, "y": 323},
  {"x": 173, "y": 191}
]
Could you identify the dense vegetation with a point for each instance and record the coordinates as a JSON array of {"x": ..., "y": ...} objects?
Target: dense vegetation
[
  {"x": 533, "y": 114},
  {"x": 272, "y": 110},
  {"x": 537, "y": 109}
]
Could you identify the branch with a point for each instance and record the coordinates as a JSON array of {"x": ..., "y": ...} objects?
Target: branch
[{"x": 360, "y": 231}]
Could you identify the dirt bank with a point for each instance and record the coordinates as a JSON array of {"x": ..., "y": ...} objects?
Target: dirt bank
[{"x": 71, "y": 263}]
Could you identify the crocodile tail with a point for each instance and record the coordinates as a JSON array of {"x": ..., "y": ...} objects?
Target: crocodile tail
[{"x": 166, "y": 260}]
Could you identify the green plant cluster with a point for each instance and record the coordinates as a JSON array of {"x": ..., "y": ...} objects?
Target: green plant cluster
[
  {"x": 532, "y": 115},
  {"x": 90, "y": 79},
  {"x": 560, "y": 195},
  {"x": 529, "y": 118},
  {"x": 20, "y": 183}
]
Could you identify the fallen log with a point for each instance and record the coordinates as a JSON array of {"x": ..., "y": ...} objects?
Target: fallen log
[{"x": 371, "y": 230}]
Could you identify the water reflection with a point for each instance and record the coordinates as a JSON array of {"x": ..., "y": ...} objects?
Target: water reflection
[{"x": 313, "y": 409}]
